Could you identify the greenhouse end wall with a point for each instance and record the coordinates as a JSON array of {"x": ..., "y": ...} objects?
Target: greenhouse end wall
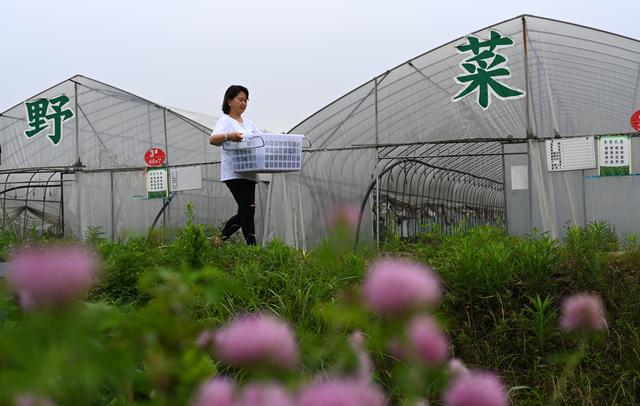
[{"x": 563, "y": 199}]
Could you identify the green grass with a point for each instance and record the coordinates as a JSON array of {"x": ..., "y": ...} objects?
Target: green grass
[{"x": 500, "y": 311}]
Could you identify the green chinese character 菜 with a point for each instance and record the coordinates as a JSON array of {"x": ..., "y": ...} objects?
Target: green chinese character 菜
[
  {"x": 484, "y": 67},
  {"x": 38, "y": 114}
]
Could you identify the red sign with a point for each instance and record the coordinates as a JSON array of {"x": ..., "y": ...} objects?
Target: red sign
[
  {"x": 154, "y": 157},
  {"x": 635, "y": 120}
]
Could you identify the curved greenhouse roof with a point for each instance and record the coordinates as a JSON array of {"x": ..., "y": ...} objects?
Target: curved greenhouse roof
[
  {"x": 115, "y": 128},
  {"x": 577, "y": 80}
]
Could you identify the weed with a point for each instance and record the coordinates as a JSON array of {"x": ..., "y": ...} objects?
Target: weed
[{"x": 541, "y": 320}]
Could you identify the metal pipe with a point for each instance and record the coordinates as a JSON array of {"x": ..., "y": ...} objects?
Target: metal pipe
[
  {"x": 526, "y": 79},
  {"x": 4, "y": 200},
  {"x": 377, "y": 170},
  {"x": 504, "y": 188},
  {"x": 113, "y": 220},
  {"x": 166, "y": 145},
  {"x": 420, "y": 186},
  {"x": 62, "y": 201},
  {"x": 26, "y": 200},
  {"x": 413, "y": 207},
  {"x": 75, "y": 91},
  {"x": 44, "y": 199},
  {"x": 403, "y": 204}
]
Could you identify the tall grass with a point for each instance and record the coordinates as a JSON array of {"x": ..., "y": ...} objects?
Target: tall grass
[{"x": 500, "y": 311}]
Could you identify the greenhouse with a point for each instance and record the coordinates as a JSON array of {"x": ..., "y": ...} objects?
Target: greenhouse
[
  {"x": 513, "y": 125},
  {"x": 450, "y": 147},
  {"x": 93, "y": 175}
]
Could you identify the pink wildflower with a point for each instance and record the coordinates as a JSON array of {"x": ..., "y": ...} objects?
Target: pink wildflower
[
  {"x": 456, "y": 367},
  {"x": 396, "y": 349},
  {"x": 395, "y": 286},
  {"x": 344, "y": 216},
  {"x": 264, "y": 395},
  {"x": 476, "y": 389},
  {"x": 365, "y": 366},
  {"x": 257, "y": 338},
  {"x": 345, "y": 392},
  {"x": 429, "y": 344},
  {"x": 206, "y": 339},
  {"x": 51, "y": 276},
  {"x": 582, "y": 311},
  {"x": 216, "y": 392},
  {"x": 32, "y": 400}
]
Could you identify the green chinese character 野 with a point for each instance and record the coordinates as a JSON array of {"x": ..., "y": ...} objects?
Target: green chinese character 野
[
  {"x": 38, "y": 114},
  {"x": 483, "y": 69},
  {"x": 58, "y": 116}
]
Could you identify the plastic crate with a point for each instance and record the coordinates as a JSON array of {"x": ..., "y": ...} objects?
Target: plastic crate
[{"x": 266, "y": 153}]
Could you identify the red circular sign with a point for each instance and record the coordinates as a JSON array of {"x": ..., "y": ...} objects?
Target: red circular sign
[
  {"x": 154, "y": 157},
  {"x": 635, "y": 120}
]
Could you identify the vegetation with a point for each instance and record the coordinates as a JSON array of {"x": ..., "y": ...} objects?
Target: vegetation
[{"x": 134, "y": 340}]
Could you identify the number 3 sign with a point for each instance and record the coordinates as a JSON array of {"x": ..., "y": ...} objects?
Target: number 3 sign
[{"x": 154, "y": 157}]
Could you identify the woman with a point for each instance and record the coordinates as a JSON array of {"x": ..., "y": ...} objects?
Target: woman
[{"x": 230, "y": 128}]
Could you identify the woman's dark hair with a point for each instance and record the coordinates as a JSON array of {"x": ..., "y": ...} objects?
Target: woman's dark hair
[{"x": 231, "y": 94}]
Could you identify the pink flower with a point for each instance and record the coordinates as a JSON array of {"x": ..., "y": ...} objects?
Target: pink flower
[
  {"x": 365, "y": 366},
  {"x": 51, "y": 276},
  {"x": 456, "y": 367},
  {"x": 344, "y": 216},
  {"x": 32, "y": 400},
  {"x": 256, "y": 339},
  {"x": 476, "y": 389},
  {"x": 582, "y": 311},
  {"x": 216, "y": 392},
  {"x": 395, "y": 286},
  {"x": 264, "y": 395},
  {"x": 395, "y": 348},
  {"x": 429, "y": 344},
  {"x": 206, "y": 339},
  {"x": 345, "y": 392}
]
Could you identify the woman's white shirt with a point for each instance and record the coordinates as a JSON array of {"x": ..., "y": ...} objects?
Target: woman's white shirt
[{"x": 226, "y": 124}]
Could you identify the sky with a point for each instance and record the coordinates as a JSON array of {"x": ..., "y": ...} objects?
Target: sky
[{"x": 294, "y": 56}]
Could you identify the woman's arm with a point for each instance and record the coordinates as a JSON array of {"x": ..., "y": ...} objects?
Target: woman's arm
[{"x": 218, "y": 138}]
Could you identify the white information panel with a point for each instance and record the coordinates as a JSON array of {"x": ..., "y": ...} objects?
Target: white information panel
[
  {"x": 186, "y": 178},
  {"x": 156, "y": 182},
  {"x": 614, "y": 157},
  {"x": 519, "y": 177},
  {"x": 570, "y": 154}
]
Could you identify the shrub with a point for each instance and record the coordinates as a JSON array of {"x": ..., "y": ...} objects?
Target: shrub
[
  {"x": 587, "y": 252},
  {"x": 123, "y": 262}
]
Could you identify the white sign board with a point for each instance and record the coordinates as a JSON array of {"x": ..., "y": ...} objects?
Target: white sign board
[
  {"x": 519, "y": 177},
  {"x": 570, "y": 154},
  {"x": 156, "y": 182},
  {"x": 614, "y": 156},
  {"x": 186, "y": 178}
]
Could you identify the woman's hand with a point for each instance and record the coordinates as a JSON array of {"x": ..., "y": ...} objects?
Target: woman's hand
[
  {"x": 234, "y": 136},
  {"x": 218, "y": 139}
]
